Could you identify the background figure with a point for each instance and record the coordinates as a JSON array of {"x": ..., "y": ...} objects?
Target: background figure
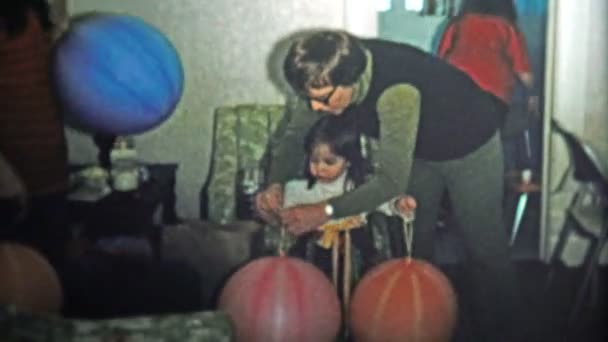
[
  {"x": 485, "y": 42},
  {"x": 31, "y": 129}
]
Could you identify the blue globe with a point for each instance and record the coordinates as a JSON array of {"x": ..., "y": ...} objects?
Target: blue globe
[{"x": 116, "y": 74}]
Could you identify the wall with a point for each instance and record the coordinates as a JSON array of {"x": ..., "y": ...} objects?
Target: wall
[
  {"x": 409, "y": 27},
  {"x": 581, "y": 70},
  {"x": 577, "y": 79},
  {"x": 225, "y": 46}
]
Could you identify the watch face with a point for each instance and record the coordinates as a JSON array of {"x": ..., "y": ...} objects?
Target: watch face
[{"x": 329, "y": 210}]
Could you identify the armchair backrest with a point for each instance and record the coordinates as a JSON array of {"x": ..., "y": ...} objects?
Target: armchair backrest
[{"x": 240, "y": 139}]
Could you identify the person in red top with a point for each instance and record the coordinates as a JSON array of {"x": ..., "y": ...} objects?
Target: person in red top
[
  {"x": 32, "y": 139},
  {"x": 485, "y": 42}
]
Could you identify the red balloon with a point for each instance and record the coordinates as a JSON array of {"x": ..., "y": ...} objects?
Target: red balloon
[
  {"x": 403, "y": 300},
  {"x": 281, "y": 299}
]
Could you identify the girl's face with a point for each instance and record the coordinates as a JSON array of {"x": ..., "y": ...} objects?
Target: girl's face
[{"x": 324, "y": 165}]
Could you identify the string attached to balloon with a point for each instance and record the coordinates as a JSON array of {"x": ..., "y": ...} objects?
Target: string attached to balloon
[
  {"x": 282, "y": 241},
  {"x": 408, "y": 232},
  {"x": 286, "y": 240},
  {"x": 331, "y": 239}
]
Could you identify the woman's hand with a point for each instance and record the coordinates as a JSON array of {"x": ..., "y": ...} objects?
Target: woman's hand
[
  {"x": 405, "y": 205},
  {"x": 268, "y": 204},
  {"x": 304, "y": 218}
]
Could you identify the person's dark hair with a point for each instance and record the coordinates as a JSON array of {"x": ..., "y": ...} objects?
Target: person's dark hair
[
  {"x": 502, "y": 8},
  {"x": 340, "y": 133},
  {"x": 13, "y": 15},
  {"x": 325, "y": 58}
]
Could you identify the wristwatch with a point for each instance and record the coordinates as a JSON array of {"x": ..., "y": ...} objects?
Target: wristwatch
[{"x": 329, "y": 210}]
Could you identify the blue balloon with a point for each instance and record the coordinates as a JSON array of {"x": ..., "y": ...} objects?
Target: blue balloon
[{"x": 116, "y": 74}]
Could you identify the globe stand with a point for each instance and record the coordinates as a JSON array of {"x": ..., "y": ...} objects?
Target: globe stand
[{"x": 104, "y": 143}]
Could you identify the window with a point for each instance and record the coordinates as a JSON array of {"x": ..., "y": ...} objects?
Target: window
[
  {"x": 422, "y": 7},
  {"x": 383, "y": 5},
  {"x": 414, "y": 5}
]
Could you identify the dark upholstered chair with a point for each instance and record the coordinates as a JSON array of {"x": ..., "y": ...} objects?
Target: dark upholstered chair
[{"x": 587, "y": 213}]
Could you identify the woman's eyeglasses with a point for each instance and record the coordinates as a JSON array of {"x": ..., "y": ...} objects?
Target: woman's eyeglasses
[{"x": 324, "y": 100}]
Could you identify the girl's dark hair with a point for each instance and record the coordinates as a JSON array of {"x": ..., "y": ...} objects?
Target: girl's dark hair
[
  {"x": 502, "y": 8},
  {"x": 13, "y": 15},
  {"x": 325, "y": 58},
  {"x": 343, "y": 137}
]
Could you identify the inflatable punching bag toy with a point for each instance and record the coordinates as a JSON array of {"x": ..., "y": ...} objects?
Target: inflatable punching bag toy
[
  {"x": 277, "y": 299},
  {"x": 403, "y": 300}
]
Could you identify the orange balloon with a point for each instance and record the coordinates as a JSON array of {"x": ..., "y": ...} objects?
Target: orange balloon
[
  {"x": 27, "y": 280},
  {"x": 403, "y": 300}
]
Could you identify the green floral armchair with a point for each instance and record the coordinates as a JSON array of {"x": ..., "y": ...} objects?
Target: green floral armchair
[{"x": 240, "y": 139}]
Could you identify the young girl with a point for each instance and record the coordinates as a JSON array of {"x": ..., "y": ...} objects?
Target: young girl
[{"x": 337, "y": 163}]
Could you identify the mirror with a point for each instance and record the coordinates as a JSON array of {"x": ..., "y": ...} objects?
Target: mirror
[{"x": 421, "y": 23}]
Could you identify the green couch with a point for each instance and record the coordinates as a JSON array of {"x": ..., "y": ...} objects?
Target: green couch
[{"x": 17, "y": 326}]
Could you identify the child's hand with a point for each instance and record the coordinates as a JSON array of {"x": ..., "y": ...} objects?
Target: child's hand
[
  {"x": 405, "y": 205},
  {"x": 268, "y": 203}
]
